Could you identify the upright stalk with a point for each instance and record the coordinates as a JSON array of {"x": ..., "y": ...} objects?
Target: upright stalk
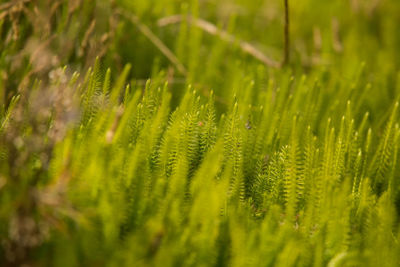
[{"x": 286, "y": 56}]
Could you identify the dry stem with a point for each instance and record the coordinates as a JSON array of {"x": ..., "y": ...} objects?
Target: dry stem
[
  {"x": 155, "y": 40},
  {"x": 213, "y": 30}
]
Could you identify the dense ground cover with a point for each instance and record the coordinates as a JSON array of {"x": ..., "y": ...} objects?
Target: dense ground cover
[{"x": 168, "y": 133}]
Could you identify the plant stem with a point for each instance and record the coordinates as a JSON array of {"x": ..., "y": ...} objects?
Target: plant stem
[{"x": 286, "y": 56}]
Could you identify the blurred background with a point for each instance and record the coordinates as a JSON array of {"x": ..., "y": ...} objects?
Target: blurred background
[{"x": 38, "y": 36}]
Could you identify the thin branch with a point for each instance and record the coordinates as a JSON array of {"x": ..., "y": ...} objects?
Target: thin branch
[
  {"x": 155, "y": 40},
  {"x": 213, "y": 30},
  {"x": 286, "y": 55}
]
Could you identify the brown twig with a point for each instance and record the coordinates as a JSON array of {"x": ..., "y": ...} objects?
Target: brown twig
[
  {"x": 155, "y": 40},
  {"x": 286, "y": 55},
  {"x": 213, "y": 30}
]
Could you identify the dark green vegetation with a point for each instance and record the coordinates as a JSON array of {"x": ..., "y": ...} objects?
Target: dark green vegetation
[{"x": 182, "y": 143}]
